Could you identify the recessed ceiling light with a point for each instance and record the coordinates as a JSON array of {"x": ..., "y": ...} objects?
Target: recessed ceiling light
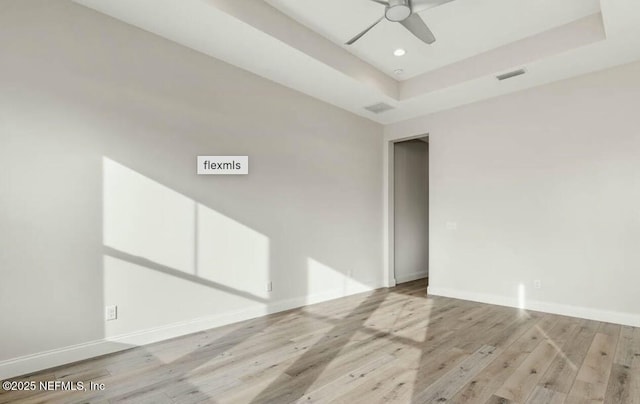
[
  {"x": 399, "y": 52},
  {"x": 398, "y": 72}
]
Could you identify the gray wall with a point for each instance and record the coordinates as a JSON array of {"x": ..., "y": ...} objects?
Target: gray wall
[
  {"x": 411, "y": 208},
  {"x": 100, "y": 126},
  {"x": 543, "y": 185}
]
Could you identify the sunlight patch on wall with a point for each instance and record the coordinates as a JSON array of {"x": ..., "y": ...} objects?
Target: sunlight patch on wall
[
  {"x": 148, "y": 299},
  {"x": 322, "y": 280},
  {"x": 169, "y": 260},
  {"x": 146, "y": 219}
]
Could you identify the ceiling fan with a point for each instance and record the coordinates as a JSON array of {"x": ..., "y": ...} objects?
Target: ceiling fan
[{"x": 406, "y": 13}]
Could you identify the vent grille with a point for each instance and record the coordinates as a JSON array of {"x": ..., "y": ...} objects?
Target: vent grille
[
  {"x": 509, "y": 75},
  {"x": 379, "y": 108}
]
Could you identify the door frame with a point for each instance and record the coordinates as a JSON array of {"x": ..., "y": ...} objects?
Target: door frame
[{"x": 389, "y": 274}]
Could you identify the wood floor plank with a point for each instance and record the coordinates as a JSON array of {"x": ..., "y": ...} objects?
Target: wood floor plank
[
  {"x": 623, "y": 386},
  {"x": 330, "y": 392},
  {"x": 381, "y": 387},
  {"x": 612, "y": 330},
  {"x": 449, "y": 384},
  {"x": 401, "y": 377},
  {"x": 564, "y": 368},
  {"x": 591, "y": 382},
  {"x": 628, "y": 352},
  {"x": 521, "y": 383},
  {"x": 491, "y": 326},
  {"x": 498, "y": 400},
  {"x": 543, "y": 395},
  {"x": 198, "y": 389},
  {"x": 482, "y": 387}
]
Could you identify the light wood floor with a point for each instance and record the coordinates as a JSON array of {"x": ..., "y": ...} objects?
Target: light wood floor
[{"x": 392, "y": 345}]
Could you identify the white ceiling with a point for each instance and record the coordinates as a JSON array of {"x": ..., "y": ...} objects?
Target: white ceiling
[
  {"x": 299, "y": 43},
  {"x": 463, "y": 28}
]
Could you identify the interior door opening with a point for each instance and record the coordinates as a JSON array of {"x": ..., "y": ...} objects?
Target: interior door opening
[{"x": 411, "y": 210}]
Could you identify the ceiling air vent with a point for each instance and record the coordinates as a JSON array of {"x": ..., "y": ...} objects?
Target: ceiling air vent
[
  {"x": 509, "y": 75},
  {"x": 379, "y": 108}
]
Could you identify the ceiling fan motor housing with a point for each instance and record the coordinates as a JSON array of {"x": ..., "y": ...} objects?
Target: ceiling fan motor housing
[{"x": 398, "y": 10}]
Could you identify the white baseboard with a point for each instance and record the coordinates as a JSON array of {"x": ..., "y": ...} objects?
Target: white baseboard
[
  {"x": 57, "y": 357},
  {"x": 402, "y": 278},
  {"x": 608, "y": 316}
]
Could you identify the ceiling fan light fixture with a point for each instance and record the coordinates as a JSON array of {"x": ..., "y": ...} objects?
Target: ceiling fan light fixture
[
  {"x": 404, "y": 12},
  {"x": 398, "y": 10}
]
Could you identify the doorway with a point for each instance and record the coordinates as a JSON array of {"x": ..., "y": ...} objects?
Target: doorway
[{"x": 410, "y": 212}]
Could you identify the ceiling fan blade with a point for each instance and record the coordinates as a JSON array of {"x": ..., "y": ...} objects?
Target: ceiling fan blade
[
  {"x": 355, "y": 38},
  {"x": 418, "y": 28},
  {"x": 384, "y": 3},
  {"x": 418, "y": 6}
]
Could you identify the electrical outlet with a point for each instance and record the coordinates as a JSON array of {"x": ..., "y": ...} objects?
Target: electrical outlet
[
  {"x": 111, "y": 313},
  {"x": 452, "y": 226},
  {"x": 269, "y": 286},
  {"x": 537, "y": 284}
]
